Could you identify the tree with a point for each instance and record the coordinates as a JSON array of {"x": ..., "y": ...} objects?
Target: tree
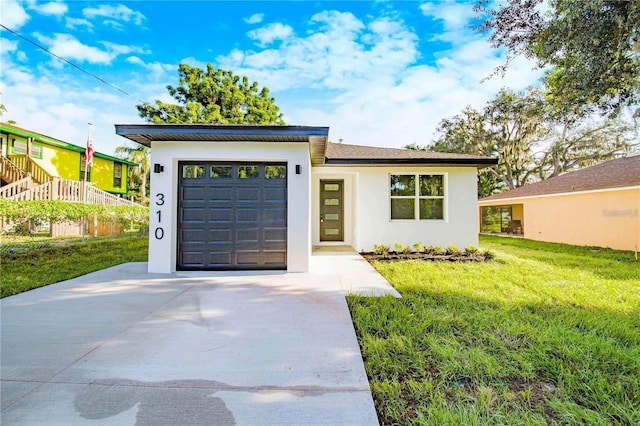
[
  {"x": 506, "y": 128},
  {"x": 213, "y": 95},
  {"x": 583, "y": 144},
  {"x": 138, "y": 176},
  {"x": 591, "y": 46},
  {"x": 530, "y": 141}
]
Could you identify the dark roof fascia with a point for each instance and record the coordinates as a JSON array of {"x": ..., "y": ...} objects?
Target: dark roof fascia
[
  {"x": 479, "y": 162},
  {"x": 149, "y": 130}
]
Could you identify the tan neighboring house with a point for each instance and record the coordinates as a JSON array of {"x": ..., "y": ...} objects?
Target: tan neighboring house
[{"x": 595, "y": 206}]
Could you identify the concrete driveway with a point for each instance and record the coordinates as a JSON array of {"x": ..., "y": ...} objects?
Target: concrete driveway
[{"x": 121, "y": 346}]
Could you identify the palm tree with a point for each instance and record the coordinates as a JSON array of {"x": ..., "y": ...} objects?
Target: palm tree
[{"x": 140, "y": 156}]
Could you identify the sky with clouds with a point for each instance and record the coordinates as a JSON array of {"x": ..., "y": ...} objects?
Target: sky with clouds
[{"x": 379, "y": 73}]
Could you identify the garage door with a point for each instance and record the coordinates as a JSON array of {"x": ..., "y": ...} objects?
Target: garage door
[{"x": 232, "y": 216}]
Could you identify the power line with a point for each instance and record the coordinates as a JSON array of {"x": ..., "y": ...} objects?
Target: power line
[{"x": 79, "y": 68}]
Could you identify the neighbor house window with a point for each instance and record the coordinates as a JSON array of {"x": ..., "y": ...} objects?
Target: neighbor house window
[
  {"x": 417, "y": 196},
  {"x": 496, "y": 218},
  {"x": 19, "y": 147},
  {"x": 117, "y": 175},
  {"x": 36, "y": 151}
]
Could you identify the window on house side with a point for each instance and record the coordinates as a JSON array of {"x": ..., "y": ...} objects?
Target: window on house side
[
  {"x": 417, "y": 196},
  {"x": 36, "y": 151},
  {"x": 117, "y": 175},
  {"x": 19, "y": 147}
]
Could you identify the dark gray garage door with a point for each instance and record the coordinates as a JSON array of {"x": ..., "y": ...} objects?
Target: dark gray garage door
[{"x": 232, "y": 216}]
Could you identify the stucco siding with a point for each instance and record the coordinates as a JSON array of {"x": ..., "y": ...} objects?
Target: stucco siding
[
  {"x": 368, "y": 208},
  {"x": 599, "y": 218},
  {"x": 163, "y": 251}
]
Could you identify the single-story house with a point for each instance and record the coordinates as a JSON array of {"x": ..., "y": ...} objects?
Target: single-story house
[
  {"x": 595, "y": 206},
  {"x": 261, "y": 197}
]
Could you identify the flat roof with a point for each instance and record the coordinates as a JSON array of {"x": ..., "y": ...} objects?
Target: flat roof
[{"x": 145, "y": 134}]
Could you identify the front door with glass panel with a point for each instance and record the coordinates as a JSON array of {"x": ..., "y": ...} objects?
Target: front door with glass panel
[{"x": 331, "y": 210}]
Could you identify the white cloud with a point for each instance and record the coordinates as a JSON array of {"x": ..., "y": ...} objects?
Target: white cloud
[
  {"x": 54, "y": 8},
  {"x": 73, "y": 23},
  {"x": 68, "y": 47},
  {"x": 157, "y": 69},
  {"x": 13, "y": 14},
  {"x": 8, "y": 46},
  {"x": 338, "y": 52},
  {"x": 454, "y": 15},
  {"x": 118, "y": 12},
  {"x": 270, "y": 33},
  {"x": 367, "y": 79},
  {"x": 256, "y": 18}
]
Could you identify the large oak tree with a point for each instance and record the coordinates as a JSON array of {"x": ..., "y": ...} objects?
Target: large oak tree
[{"x": 591, "y": 48}]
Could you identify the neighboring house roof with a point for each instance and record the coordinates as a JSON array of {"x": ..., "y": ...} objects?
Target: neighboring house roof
[
  {"x": 358, "y": 154},
  {"x": 618, "y": 173},
  {"x": 38, "y": 137},
  {"x": 321, "y": 151}
]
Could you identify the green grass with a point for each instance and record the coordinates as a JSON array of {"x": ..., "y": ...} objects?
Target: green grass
[
  {"x": 547, "y": 334},
  {"x": 43, "y": 265}
]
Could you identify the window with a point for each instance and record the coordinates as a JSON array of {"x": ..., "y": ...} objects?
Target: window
[
  {"x": 275, "y": 172},
  {"x": 496, "y": 218},
  {"x": 248, "y": 172},
  {"x": 36, "y": 151},
  {"x": 417, "y": 196},
  {"x": 221, "y": 172},
  {"x": 193, "y": 172},
  {"x": 19, "y": 147},
  {"x": 117, "y": 175}
]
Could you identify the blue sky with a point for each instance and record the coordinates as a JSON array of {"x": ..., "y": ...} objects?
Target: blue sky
[{"x": 380, "y": 73}]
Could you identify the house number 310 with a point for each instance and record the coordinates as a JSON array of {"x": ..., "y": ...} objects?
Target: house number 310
[{"x": 159, "y": 232}]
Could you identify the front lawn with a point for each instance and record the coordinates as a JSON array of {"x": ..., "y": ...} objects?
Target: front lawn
[
  {"x": 546, "y": 334},
  {"x": 31, "y": 265}
]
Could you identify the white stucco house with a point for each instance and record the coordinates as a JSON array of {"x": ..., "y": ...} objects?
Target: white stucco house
[{"x": 227, "y": 197}]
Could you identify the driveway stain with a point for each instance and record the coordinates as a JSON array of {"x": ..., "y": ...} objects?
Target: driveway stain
[
  {"x": 183, "y": 402},
  {"x": 180, "y": 402}
]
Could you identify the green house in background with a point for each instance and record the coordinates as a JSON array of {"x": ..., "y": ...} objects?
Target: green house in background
[{"x": 45, "y": 158}]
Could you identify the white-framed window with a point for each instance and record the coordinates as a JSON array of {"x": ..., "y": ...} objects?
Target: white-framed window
[{"x": 417, "y": 196}]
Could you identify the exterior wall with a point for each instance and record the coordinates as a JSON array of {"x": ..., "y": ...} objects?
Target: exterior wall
[
  {"x": 600, "y": 218},
  {"x": 368, "y": 208},
  {"x": 60, "y": 162},
  {"x": 163, "y": 251},
  {"x": 102, "y": 176}
]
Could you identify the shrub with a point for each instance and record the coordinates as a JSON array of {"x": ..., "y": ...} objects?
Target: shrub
[
  {"x": 453, "y": 249},
  {"x": 398, "y": 247},
  {"x": 471, "y": 249},
  {"x": 418, "y": 247},
  {"x": 487, "y": 254},
  {"x": 380, "y": 249},
  {"x": 428, "y": 249},
  {"x": 437, "y": 250},
  {"x": 407, "y": 250}
]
